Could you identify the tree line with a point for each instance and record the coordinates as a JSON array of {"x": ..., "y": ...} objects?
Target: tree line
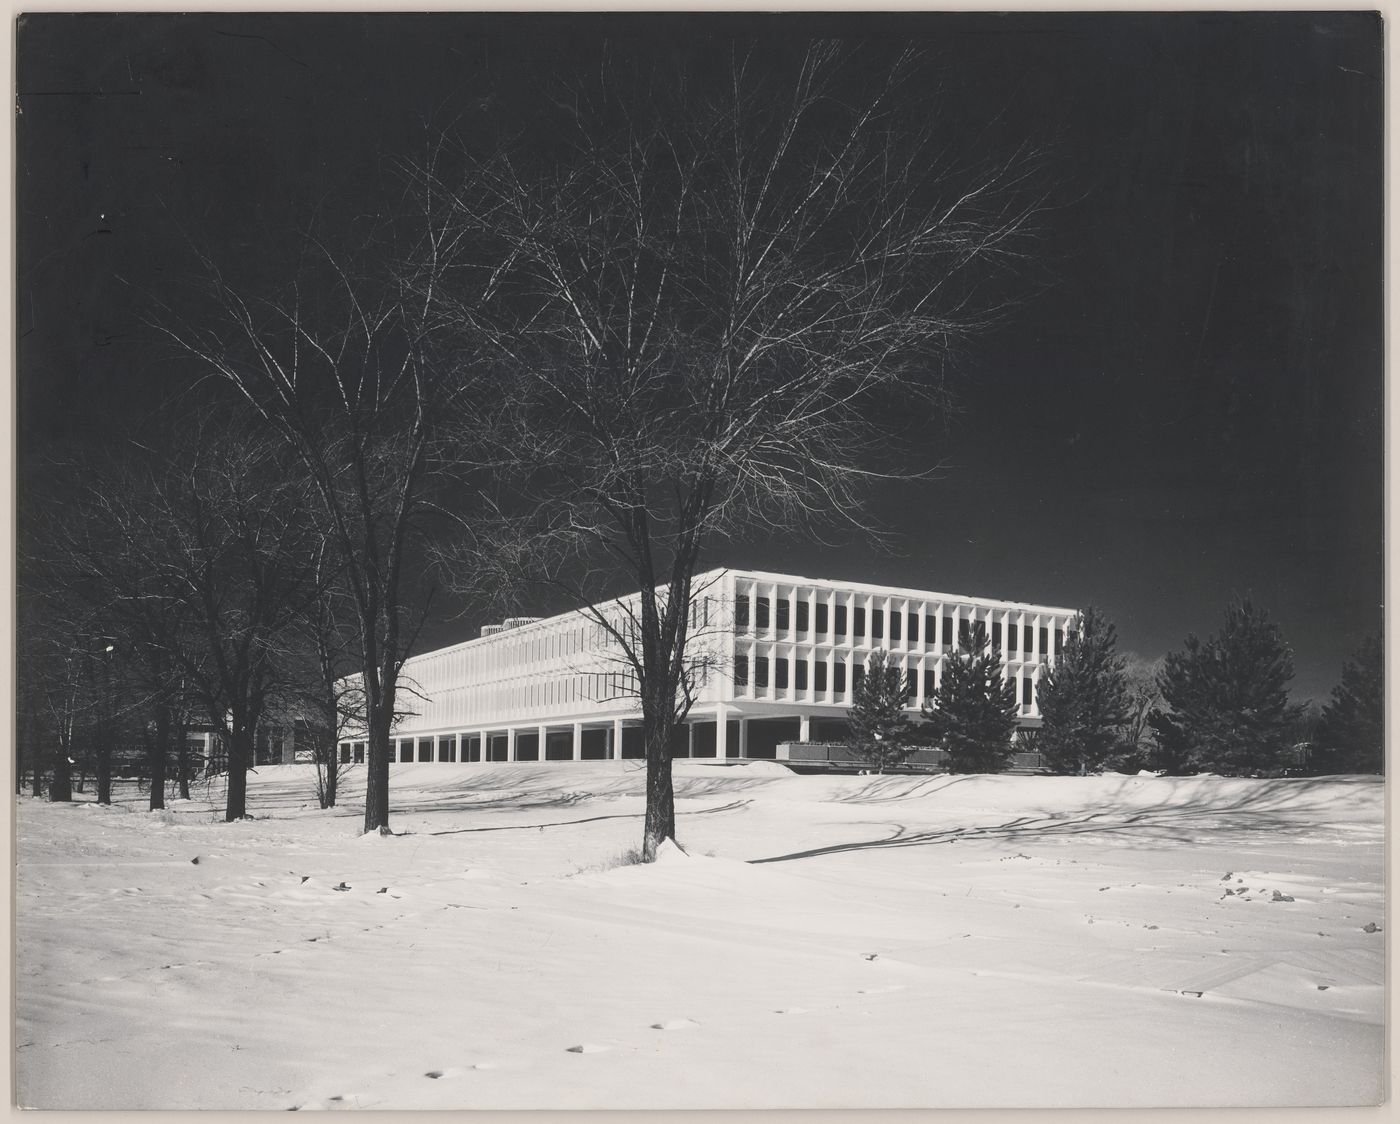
[{"x": 1219, "y": 705}]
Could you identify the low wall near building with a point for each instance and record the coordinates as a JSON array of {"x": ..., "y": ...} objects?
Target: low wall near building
[{"x": 838, "y": 755}]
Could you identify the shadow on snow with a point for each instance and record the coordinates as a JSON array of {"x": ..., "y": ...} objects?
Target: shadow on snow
[{"x": 1288, "y": 806}]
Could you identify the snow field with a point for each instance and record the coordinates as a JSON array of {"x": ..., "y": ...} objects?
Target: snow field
[{"x": 822, "y": 941}]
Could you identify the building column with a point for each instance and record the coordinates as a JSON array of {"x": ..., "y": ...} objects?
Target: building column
[
  {"x": 544, "y": 737},
  {"x": 743, "y": 737},
  {"x": 510, "y": 743},
  {"x": 617, "y": 739},
  {"x": 721, "y": 731},
  {"x": 690, "y": 739},
  {"x": 578, "y": 741},
  {"x": 804, "y": 728}
]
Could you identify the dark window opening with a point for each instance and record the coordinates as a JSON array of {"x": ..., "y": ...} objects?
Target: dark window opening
[
  {"x": 741, "y": 613},
  {"x": 359, "y": 753},
  {"x": 1044, "y": 641},
  {"x": 896, "y": 624},
  {"x": 860, "y": 623},
  {"x": 1026, "y": 688},
  {"x": 823, "y": 623},
  {"x": 1028, "y": 640},
  {"x": 947, "y": 632},
  {"x": 425, "y": 749},
  {"x": 930, "y": 685},
  {"x": 761, "y": 613},
  {"x": 345, "y": 755},
  {"x": 784, "y": 615},
  {"x": 857, "y": 677},
  {"x": 964, "y": 634},
  {"x": 838, "y": 674},
  {"x": 913, "y": 628},
  {"x": 800, "y": 668},
  {"x": 877, "y": 624},
  {"x": 780, "y": 674},
  {"x": 996, "y": 635},
  {"x": 1013, "y": 636},
  {"x": 911, "y": 684},
  {"x": 841, "y": 628},
  {"x": 1059, "y": 640},
  {"x": 447, "y": 747},
  {"x": 405, "y": 751},
  {"x": 760, "y": 671},
  {"x": 803, "y": 616},
  {"x": 741, "y": 671},
  {"x": 819, "y": 676}
]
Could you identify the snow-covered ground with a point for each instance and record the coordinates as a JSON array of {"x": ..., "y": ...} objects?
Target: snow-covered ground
[{"x": 824, "y": 942}]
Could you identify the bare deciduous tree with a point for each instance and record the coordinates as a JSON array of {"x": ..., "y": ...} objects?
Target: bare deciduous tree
[
  {"x": 722, "y": 275},
  {"x": 347, "y": 367}
]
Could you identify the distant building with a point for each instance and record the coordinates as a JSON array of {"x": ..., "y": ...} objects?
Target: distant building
[{"x": 775, "y": 659}]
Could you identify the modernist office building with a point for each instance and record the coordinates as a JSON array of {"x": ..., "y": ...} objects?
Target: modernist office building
[{"x": 776, "y": 659}]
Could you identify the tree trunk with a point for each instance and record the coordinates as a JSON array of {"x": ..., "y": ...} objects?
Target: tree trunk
[
  {"x": 104, "y": 767},
  {"x": 660, "y": 823},
  {"x": 329, "y": 790},
  {"x": 61, "y": 786},
  {"x": 240, "y": 753},
  {"x": 377, "y": 769},
  {"x": 37, "y": 783},
  {"x": 182, "y": 753},
  {"x": 160, "y": 751}
]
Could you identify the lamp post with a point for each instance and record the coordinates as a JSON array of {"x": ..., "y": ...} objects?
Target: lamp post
[{"x": 104, "y": 748}]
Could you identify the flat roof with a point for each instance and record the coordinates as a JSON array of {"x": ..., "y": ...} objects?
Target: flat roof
[{"x": 707, "y": 578}]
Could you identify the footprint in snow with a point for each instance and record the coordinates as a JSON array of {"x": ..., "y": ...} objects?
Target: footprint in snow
[
  {"x": 880, "y": 990},
  {"x": 675, "y": 1024},
  {"x": 581, "y": 1048},
  {"x": 439, "y": 1074},
  {"x": 790, "y": 1011}
]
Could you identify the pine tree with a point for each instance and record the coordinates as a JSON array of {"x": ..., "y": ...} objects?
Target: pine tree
[
  {"x": 1227, "y": 699},
  {"x": 1084, "y": 699},
  {"x": 1351, "y": 734},
  {"x": 880, "y": 730},
  {"x": 973, "y": 712}
]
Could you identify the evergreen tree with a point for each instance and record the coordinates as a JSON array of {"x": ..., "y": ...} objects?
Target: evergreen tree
[
  {"x": 880, "y": 730},
  {"x": 973, "y": 712},
  {"x": 1227, "y": 699},
  {"x": 1351, "y": 735},
  {"x": 1084, "y": 699}
]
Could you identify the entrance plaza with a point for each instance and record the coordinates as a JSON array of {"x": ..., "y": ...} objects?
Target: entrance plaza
[{"x": 774, "y": 660}]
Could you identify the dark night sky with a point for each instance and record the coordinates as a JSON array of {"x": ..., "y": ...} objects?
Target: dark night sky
[{"x": 1188, "y": 404}]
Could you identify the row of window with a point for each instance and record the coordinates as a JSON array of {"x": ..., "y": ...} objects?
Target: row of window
[
  {"x": 852, "y": 621},
  {"x": 558, "y": 746},
  {"x": 797, "y": 674},
  {"x": 464, "y": 701},
  {"x": 441, "y": 748}
]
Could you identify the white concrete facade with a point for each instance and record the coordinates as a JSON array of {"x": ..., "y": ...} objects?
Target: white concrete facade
[{"x": 775, "y": 655}]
